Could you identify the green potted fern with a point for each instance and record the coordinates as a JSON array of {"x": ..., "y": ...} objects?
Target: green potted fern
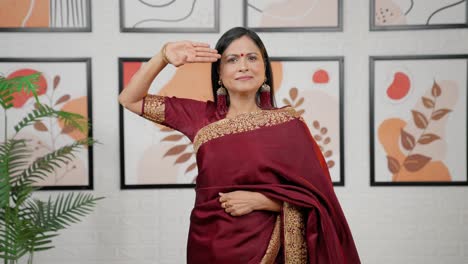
[{"x": 27, "y": 224}]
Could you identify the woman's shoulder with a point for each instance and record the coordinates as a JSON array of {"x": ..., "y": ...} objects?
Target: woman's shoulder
[{"x": 287, "y": 110}]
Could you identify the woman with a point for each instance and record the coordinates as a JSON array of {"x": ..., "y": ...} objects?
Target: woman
[{"x": 263, "y": 193}]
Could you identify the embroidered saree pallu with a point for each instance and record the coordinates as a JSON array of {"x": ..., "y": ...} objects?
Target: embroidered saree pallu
[{"x": 268, "y": 151}]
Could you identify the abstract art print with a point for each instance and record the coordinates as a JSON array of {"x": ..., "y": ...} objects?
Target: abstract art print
[
  {"x": 293, "y": 15},
  {"x": 151, "y": 155},
  {"x": 154, "y": 156},
  {"x": 45, "y": 15},
  {"x": 64, "y": 85},
  {"x": 418, "y": 14},
  {"x": 169, "y": 16},
  {"x": 418, "y": 120}
]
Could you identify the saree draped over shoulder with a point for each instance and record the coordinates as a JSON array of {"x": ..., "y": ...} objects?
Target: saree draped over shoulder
[{"x": 268, "y": 151}]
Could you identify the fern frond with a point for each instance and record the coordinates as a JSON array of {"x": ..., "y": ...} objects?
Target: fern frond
[
  {"x": 43, "y": 166},
  {"x": 27, "y": 84},
  {"x": 75, "y": 120},
  {"x": 65, "y": 210},
  {"x": 14, "y": 235},
  {"x": 42, "y": 111},
  {"x": 35, "y": 115},
  {"x": 13, "y": 155}
]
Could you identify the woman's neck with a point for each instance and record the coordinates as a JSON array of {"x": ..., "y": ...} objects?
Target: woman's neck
[{"x": 241, "y": 103}]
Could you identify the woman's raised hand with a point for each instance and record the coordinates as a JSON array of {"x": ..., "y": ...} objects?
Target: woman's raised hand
[{"x": 181, "y": 52}]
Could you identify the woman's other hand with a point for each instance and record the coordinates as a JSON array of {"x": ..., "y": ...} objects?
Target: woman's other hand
[
  {"x": 181, "y": 52},
  {"x": 240, "y": 203}
]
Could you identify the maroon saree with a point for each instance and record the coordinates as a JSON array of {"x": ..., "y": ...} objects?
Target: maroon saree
[{"x": 271, "y": 152}]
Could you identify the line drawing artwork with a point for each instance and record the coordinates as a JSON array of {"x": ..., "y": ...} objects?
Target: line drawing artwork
[
  {"x": 169, "y": 16},
  {"x": 282, "y": 15},
  {"x": 441, "y": 9},
  {"x": 68, "y": 13},
  {"x": 45, "y": 15},
  {"x": 419, "y": 13},
  {"x": 166, "y": 20},
  {"x": 302, "y": 16},
  {"x": 28, "y": 14},
  {"x": 155, "y": 5}
]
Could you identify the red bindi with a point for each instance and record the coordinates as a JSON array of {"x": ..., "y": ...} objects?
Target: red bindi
[{"x": 242, "y": 54}]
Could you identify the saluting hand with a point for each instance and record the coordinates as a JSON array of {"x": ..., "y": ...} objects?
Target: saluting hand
[{"x": 181, "y": 52}]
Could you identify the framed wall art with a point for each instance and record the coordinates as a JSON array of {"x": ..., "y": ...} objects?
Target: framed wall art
[
  {"x": 293, "y": 15},
  {"x": 153, "y": 156},
  {"x": 418, "y": 14},
  {"x": 45, "y": 16},
  {"x": 64, "y": 84},
  {"x": 418, "y": 120},
  {"x": 169, "y": 16}
]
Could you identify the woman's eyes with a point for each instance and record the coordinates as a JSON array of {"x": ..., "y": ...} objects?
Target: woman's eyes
[{"x": 250, "y": 58}]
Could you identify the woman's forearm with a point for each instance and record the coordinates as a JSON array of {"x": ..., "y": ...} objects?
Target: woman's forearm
[
  {"x": 267, "y": 204},
  {"x": 139, "y": 84}
]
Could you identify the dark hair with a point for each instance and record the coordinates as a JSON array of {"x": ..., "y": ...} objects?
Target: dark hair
[{"x": 223, "y": 43}]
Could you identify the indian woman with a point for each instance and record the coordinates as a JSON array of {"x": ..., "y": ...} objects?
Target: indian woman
[{"x": 263, "y": 191}]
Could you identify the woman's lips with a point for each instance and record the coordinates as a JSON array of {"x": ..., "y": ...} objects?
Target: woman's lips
[{"x": 244, "y": 78}]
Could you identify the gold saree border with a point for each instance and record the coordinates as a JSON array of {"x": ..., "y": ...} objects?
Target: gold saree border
[
  {"x": 274, "y": 244},
  {"x": 154, "y": 107},
  {"x": 295, "y": 246},
  {"x": 243, "y": 123}
]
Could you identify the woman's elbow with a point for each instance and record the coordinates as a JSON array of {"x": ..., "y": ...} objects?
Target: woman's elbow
[{"x": 123, "y": 101}]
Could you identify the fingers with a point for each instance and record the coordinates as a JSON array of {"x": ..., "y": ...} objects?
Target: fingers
[
  {"x": 223, "y": 199},
  {"x": 200, "y": 44},
  {"x": 226, "y": 205},
  {"x": 202, "y": 59},
  {"x": 207, "y": 54},
  {"x": 205, "y": 49}
]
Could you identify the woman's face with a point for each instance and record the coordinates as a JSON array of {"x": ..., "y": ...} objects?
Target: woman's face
[{"x": 242, "y": 69}]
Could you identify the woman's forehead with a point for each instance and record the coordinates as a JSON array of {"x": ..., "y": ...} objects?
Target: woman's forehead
[{"x": 242, "y": 45}]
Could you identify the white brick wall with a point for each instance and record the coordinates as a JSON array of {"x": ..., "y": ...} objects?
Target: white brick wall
[{"x": 390, "y": 225}]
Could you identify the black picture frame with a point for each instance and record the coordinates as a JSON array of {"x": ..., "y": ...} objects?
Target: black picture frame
[
  {"x": 123, "y": 183},
  {"x": 372, "y": 129},
  {"x": 87, "y": 61},
  {"x": 338, "y": 28},
  {"x": 72, "y": 13},
  {"x": 214, "y": 29},
  {"x": 374, "y": 27}
]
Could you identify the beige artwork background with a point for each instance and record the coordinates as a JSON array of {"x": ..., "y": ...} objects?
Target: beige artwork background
[{"x": 292, "y": 13}]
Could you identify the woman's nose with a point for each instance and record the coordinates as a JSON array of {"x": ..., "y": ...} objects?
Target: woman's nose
[{"x": 243, "y": 65}]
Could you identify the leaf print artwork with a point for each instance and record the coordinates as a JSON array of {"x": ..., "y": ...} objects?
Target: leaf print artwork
[
  {"x": 62, "y": 96},
  {"x": 411, "y": 147},
  {"x": 179, "y": 150},
  {"x": 293, "y": 93}
]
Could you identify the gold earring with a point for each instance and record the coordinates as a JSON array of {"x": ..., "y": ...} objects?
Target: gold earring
[{"x": 221, "y": 90}]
